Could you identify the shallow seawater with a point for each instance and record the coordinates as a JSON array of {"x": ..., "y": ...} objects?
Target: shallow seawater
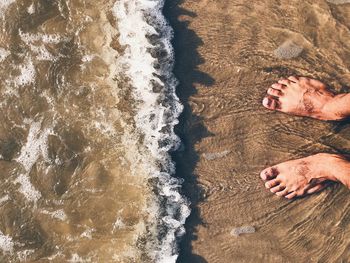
[
  {"x": 87, "y": 115},
  {"x": 229, "y": 52}
]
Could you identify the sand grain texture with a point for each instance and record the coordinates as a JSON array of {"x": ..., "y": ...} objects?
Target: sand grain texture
[{"x": 225, "y": 62}]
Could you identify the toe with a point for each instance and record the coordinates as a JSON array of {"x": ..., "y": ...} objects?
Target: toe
[
  {"x": 278, "y": 86},
  {"x": 270, "y": 103},
  {"x": 317, "y": 83},
  {"x": 268, "y": 173},
  {"x": 291, "y": 195},
  {"x": 293, "y": 79},
  {"x": 283, "y": 192},
  {"x": 284, "y": 82},
  {"x": 271, "y": 183},
  {"x": 316, "y": 188},
  {"x": 274, "y": 92},
  {"x": 277, "y": 189}
]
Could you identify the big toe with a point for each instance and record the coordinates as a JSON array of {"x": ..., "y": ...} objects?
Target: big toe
[
  {"x": 268, "y": 173},
  {"x": 270, "y": 103}
]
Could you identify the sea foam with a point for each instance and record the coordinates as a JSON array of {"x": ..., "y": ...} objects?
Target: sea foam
[
  {"x": 35, "y": 147},
  {"x": 6, "y": 243},
  {"x": 4, "y": 4},
  {"x": 148, "y": 62}
]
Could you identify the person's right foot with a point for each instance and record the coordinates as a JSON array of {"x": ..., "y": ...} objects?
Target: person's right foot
[
  {"x": 307, "y": 175},
  {"x": 304, "y": 97}
]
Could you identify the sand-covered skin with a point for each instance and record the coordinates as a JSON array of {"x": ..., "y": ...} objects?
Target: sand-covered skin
[{"x": 226, "y": 60}]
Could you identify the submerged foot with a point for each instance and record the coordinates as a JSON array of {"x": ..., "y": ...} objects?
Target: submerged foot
[
  {"x": 304, "y": 97},
  {"x": 307, "y": 175}
]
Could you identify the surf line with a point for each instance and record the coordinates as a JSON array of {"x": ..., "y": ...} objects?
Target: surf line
[{"x": 148, "y": 61}]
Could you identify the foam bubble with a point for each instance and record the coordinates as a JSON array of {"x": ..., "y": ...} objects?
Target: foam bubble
[
  {"x": 6, "y": 243},
  {"x": 288, "y": 50}
]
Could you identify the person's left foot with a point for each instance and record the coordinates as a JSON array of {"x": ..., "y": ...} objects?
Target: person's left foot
[{"x": 307, "y": 175}]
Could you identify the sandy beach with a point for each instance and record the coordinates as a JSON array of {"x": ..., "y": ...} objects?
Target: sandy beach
[{"x": 228, "y": 52}]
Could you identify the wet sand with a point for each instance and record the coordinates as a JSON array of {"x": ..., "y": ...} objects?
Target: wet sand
[{"x": 228, "y": 53}]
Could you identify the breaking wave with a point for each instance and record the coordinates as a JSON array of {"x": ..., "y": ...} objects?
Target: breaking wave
[{"x": 147, "y": 60}]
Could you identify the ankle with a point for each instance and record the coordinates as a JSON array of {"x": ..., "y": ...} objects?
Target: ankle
[
  {"x": 337, "y": 108},
  {"x": 326, "y": 166},
  {"x": 337, "y": 167}
]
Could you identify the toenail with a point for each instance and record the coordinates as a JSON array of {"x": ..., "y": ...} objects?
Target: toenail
[
  {"x": 267, "y": 185},
  {"x": 266, "y": 102}
]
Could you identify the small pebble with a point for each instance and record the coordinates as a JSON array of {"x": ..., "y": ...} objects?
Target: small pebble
[
  {"x": 213, "y": 156},
  {"x": 242, "y": 230},
  {"x": 288, "y": 50},
  {"x": 338, "y": 2}
]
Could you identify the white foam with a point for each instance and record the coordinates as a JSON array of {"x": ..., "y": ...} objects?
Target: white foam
[
  {"x": 137, "y": 19},
  {"x": 35, "y": 146},
  {"x": 58, "y": 214},
  {"x": 41, "y": 53},
  {"x": 87, "y": 233},
  {"x": 27, "y": 189},
  {"x": 27, "y": 73},
  {"x": 23, "y": 255},
  {"x": 77, "y": 259},
  {"x": 118, "y": 224},
  {"x": 6, "y": 243},
  {"x": 87, "y": 58},
  {"x": 105, "y": 127},
  {"x": 43, "y": 38},
  {"x": 3, "y": 54},
  {"x": 4, "y": 4},
  {"x": 36, "y": 43},
  {"x": 4, "y": 199},
  {"x": 30, "y": 9}
]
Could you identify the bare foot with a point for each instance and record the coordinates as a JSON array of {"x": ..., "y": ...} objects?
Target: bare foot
[
  {"x": 307, "y": 175},
  {"x": 305, "y": 97}
]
